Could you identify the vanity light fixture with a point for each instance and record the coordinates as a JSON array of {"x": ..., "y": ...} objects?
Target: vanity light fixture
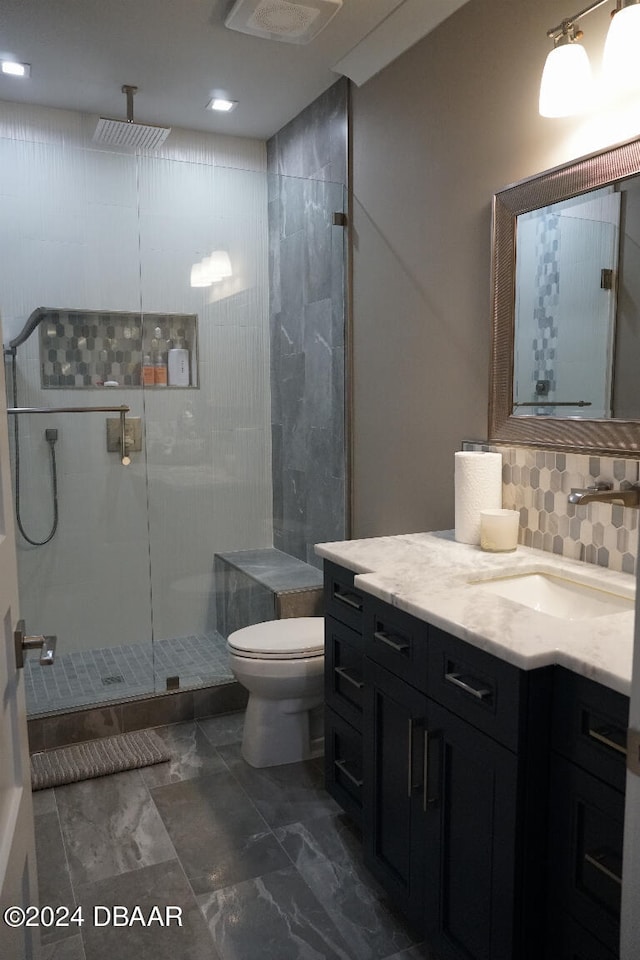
[
  {"x": 222, "y": 105},
  {"x": 566, "y": 79},
  {"x": 14, "y": 69}
]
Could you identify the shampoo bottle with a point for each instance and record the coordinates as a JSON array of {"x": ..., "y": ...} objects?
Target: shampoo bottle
[{"x": 178, "y": 365}]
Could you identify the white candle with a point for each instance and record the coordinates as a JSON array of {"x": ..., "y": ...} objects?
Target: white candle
[{"x": 499, "y": 530}]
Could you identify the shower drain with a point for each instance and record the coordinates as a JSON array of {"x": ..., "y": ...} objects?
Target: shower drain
[{"x": 116, "y": 678}]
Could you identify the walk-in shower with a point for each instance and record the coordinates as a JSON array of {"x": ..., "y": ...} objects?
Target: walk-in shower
[{"x": 118, "y": 562}]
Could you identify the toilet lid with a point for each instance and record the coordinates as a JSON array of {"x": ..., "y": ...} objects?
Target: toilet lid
[{"x": 280, "y": 639}]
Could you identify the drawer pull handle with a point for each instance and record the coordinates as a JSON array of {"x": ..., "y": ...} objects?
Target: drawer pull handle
[
  {"x": 350, "y": 599},
  {"x": 397, "y": 645},
  {"x": 598, "y": 861},
  {"x": 480, "y": 693},
  {"x": 601, "y": 737},
  {"x": 342, "y": 767},
  {"x": 358, "y": 684}
]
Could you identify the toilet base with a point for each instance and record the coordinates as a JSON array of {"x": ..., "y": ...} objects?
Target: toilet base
[{"x": 281, "y": 731}]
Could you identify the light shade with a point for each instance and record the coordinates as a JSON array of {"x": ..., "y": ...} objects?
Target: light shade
[
  {"x": 218, "y": 265},
  {"x": 199, "y": 276},
  {"x": 622, "y": 50},
  {"x": 14, "y": 69},
  {"x": 566, "y": 83}
]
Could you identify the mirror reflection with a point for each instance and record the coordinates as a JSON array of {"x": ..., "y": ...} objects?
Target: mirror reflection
[{"x": 576, "y": 310}]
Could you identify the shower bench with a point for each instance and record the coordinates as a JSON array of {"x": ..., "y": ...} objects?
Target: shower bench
[{"x": 267, "y": 584}]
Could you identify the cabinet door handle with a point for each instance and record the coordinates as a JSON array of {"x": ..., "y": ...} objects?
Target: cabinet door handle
[
  {"x": 342, "y": 767},
  {"x": 397, "y": 645},
  {"x": 410, "y": 759},
  {"x": 358, "y": 684},
  {"x": 427, "y": 800},
  {"x": 604, "y": 736},
  {"x": 480, "y": 693},
  {"x": 350, "y": 599},
  {"x": 605, "y": 863}
]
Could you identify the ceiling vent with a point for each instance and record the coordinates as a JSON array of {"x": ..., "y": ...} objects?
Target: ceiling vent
[{"x": 289, "y": 20}]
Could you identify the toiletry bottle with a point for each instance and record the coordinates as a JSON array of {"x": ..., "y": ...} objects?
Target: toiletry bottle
[
  {"x": 160, "y": 370},
  {"x": 148, "y": 371},
  {"x": 178, "y": 365},
  {"x": 159, "y": 359}
]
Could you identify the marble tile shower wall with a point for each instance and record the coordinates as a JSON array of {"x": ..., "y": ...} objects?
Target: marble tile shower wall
[
  {"x": 307, "y": 166},
  {"x": 538, "y": 482}
]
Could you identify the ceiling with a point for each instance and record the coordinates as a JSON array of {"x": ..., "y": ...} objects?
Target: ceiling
[{"x": 179, "y": 54}]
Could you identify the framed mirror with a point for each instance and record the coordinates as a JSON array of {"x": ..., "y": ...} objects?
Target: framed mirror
[{"x": 565, "y": 351}]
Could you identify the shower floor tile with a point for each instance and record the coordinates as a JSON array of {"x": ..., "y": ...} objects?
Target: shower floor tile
[{"x": 86, "y": 677}]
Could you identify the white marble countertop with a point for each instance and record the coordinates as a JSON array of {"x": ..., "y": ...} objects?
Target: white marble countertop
[{"x": 428, "y": 574}]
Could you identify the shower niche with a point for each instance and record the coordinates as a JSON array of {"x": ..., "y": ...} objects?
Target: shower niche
[{"x": 98, "y": 348}]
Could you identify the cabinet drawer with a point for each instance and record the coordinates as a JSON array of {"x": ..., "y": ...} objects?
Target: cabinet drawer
[
  {"x": 342, "y": 600},
  {"x": 585, "y": 849},
  {"x": 343, "y": 687},
  {"x": 476, "y": 686},
  {"x": 343, "y": 764},
  {"x": 590, "y": 726},
  {"x": 397, "y": 641}
]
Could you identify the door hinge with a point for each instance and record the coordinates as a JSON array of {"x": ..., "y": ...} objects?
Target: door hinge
[
  {"x": 633, "y": 751},
  {"x": 606, "y": 278}
]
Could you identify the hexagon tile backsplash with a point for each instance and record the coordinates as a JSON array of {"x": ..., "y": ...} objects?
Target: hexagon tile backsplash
[{"x": 538, "y": 483}]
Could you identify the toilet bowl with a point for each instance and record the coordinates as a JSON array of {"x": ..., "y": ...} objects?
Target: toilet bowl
[{"x": 281, "y": 664}]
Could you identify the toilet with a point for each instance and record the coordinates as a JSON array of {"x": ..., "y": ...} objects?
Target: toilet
[{"x": 281, "y": 664}]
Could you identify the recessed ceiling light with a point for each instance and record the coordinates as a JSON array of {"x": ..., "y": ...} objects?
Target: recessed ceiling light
[
  {"x": 224, "y": 106},
  {"x": 15, "y": 69}
]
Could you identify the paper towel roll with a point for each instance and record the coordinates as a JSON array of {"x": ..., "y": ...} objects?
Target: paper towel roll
[{"x": 478, "y": 486}]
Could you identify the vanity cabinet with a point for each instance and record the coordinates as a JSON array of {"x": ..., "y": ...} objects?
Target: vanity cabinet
[
  {"x": 588, "y": 771},
  {"x": 491, "y": 799},
  {"x": 343, "y": 690}
]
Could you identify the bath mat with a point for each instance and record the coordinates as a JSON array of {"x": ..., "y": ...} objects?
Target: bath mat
[{"x": 97, "y": 758}]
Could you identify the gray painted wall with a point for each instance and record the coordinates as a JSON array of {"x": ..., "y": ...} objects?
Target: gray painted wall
[
  {"x": 307, "y": 164},
  {"x": 434, "y": 136}
]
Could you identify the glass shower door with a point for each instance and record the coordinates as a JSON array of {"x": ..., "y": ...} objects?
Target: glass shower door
[{"x": 69, "y": 244}]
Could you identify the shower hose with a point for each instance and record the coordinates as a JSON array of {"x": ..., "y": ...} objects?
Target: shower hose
[{"x": 51, "y": 436}]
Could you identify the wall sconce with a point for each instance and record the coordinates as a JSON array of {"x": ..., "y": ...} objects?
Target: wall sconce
[
  {"x": 211, "y": 269},
  {"x": 567, "y": 84}
]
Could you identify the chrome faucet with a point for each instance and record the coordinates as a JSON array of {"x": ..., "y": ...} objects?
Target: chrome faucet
[{"x": 603, "y": 492}]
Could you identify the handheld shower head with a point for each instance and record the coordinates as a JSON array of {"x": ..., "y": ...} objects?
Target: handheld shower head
[{"x": 128, "y": 133}]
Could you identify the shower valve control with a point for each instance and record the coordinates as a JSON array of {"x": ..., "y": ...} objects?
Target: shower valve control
[{"x": 132, "y": 435}]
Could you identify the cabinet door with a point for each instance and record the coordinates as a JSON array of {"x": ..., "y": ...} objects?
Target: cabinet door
[
  {"x": 471, "y": 799},
  {"x": 393, "y": 820},
  {"x": 585, "y": 849}
]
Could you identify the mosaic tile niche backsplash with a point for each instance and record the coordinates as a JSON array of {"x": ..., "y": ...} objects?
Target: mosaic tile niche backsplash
[
  {"x": 538, "y": 482},
  {"x": 86, "y": 348}
]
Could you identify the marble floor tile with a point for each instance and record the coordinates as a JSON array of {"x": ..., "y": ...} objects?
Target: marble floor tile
[
  {"x": 218, "y": 834},
  {"x": 70, "y": 949},
  {"x": 54, "y": 884},
  {"x": 44, "y": 801},
  {"x": 160, "y": 885},
  {"x": 273, "y": 917},
  {"x": 110, "y": 825},
  {"x": 284, "y": 794},
  {"x": 193, "y": 755},
  {"x": 323, "y": 853},
  {"x": 224, "y": 729},
  {"x": 419, "y": 952}
]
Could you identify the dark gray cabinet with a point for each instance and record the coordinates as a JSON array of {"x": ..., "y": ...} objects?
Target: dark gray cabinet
[
  {"x": 587, "y": 818},
  {"x": 490, "y": 798}
]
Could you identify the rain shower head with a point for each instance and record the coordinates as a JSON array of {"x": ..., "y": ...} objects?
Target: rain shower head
[{"x": 128, "y": 133}]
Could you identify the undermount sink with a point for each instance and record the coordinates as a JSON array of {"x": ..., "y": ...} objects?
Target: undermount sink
[{"x": 558, "y": 595}]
